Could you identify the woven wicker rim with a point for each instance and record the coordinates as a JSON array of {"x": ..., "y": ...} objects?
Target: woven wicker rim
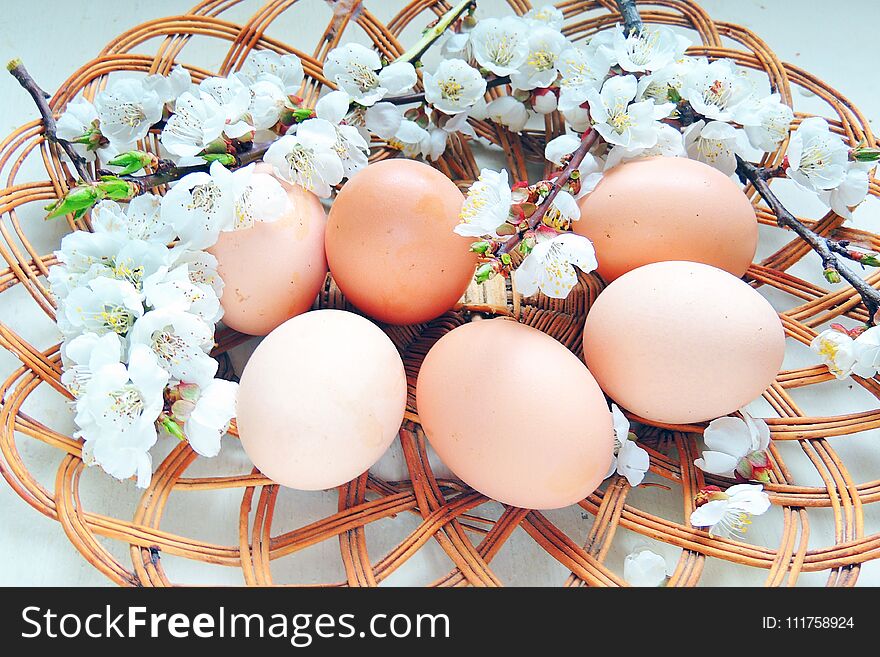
[{"x": 449, "y": 512}]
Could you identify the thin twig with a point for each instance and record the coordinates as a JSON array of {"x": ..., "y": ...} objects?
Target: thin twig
[
  {"x": 825, "y": 248},
  {"x": 434, "y": 32},
  {"x": 587, "y": 140},
  {"x": 20, "y": 73}
]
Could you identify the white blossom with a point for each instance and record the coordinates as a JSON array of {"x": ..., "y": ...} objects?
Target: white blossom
[
  {"x": 358, "y": 71},
  {"x": 487, "y": 205},
  {"x": 817, "y": 157},
  {"x": 670, "y": 143},
  {"x": 350, "y": 145},
  {"x": 844, "y": 355},
  {"x": 544, "y": 60},
  {"x": 715, "y": 89},
  {"x": 668, "y": 80},
  {"x": 309, "y": 157},
  {"x": 383, "y": 119},
  {"x": 169, "y": 87},
  {"x": 766, "y": 121},
  {"x": 196, "y": 122},
  {"x": 715, "y": 143},
  {"x": 454, "y": 86},
  {"x": 550, "y": 266},
  {"x": 730, "y": 440},
  {"x": 117, "y": 396},
  {"x": 730, "y": 513},
  {"x": 578, "y": 118},
  {"x": 174, "y": 290},
  {"x": 252, "y": 196},
  {"x": 410, "y": 138},
  {"x": 198, "y": 208},
  {"x": 267, "y": 102},
  {"x": 234, "y": 100},
  {"x": 581, "y": 72},
  {"x": 629, "y": 460},
  {"x": 126, "y": 110},
  {"x": 100, "y": 306},
  {"x": 849, "y": 193},
  {"x": 140, "y": 220},
  {"x": 509, "y": 112},
  {"x": 621, "y": 121},
  {"x": 181, "y": 342},
  {"x": 501, "y": 45},
  {"x": 284, "y": 71},
  {"x": 649, "y": 49},
  {"x": 209, "y": 420},
  {"x": 86, "y": 354},
  {"x": 545, "y": 15},
  {"x": 644, "y": 568}
]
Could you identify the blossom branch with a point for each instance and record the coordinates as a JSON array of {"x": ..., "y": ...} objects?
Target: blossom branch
[
  {"x": 20, "y": 73},
  {"x": 828, "y": 250},
  {"x": 562, "y": 178},
  {"x": 431, "y": 34}
]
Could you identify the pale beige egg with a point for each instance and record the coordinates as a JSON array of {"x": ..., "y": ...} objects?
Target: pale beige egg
[
  {"x": 682, "y": 342},
  {"x": 321, "y": 399},
  {"x": 273, "y": 270},
  {"x": 668, "y": 208},
  {"x": 515, "y": 414},
  {"x": 390, "y": 243}
]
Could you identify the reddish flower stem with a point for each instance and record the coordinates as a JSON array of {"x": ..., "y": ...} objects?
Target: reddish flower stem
[{"x": 587, "y": 140}]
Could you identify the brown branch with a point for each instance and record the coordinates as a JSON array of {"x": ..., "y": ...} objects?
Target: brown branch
[
  {"x": 587, "y": 140},
  {"x": 630, "y": 13},
  {"x": 20, "y": 73},
  {"x": 827, "y": 249}
]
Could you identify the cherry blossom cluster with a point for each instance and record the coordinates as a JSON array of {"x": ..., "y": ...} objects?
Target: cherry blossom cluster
[
  {"x": 643, "y": 96},
  {"x": 138, "y": 300}
]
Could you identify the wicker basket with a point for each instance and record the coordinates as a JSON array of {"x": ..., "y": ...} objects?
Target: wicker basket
[{"x": 460, "y": 529}]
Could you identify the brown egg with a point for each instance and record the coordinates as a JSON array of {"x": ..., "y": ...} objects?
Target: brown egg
[
  {"x": 275, "y": 269},
  {"x": 668, "y": 208},
  {"x": 390, "y": 243},
  {"x": 682, "y": 342},
  {"x": 515, "y": 414},
  {"x": 320, "y": 400}
]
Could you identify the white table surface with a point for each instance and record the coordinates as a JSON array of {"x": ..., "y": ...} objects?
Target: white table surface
[{"x": 53, "y": 38}]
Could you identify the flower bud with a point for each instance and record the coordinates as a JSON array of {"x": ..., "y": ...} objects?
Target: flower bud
[
  {"x": 77, "y": 201},
  {"x": 172, "y": 427},
  {"x": 133, "y": 161},
  {"x": 544, "y": 100},
  {"x": 755, "y": 466},
  {"x": 117, "y": 189},
  {"x": 480, "y": 247},
  {"x": 484, "y": 272},
  {"x": 831, "y": 275},
  {"x": 865, "y": 154},
  {"x": 709, "y": 494},
  {"x": 226, "y": 159}
]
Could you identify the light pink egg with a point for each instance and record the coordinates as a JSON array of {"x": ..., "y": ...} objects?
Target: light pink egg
[
  {"x": 682, "y": 342},
  {"x": 275, "y": 269},
  {"x": 515, "y": 414},
  {"x": 321, "y": 399}
]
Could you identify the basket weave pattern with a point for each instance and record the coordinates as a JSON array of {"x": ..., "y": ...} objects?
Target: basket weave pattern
[{"x": 448, "y": 512}]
